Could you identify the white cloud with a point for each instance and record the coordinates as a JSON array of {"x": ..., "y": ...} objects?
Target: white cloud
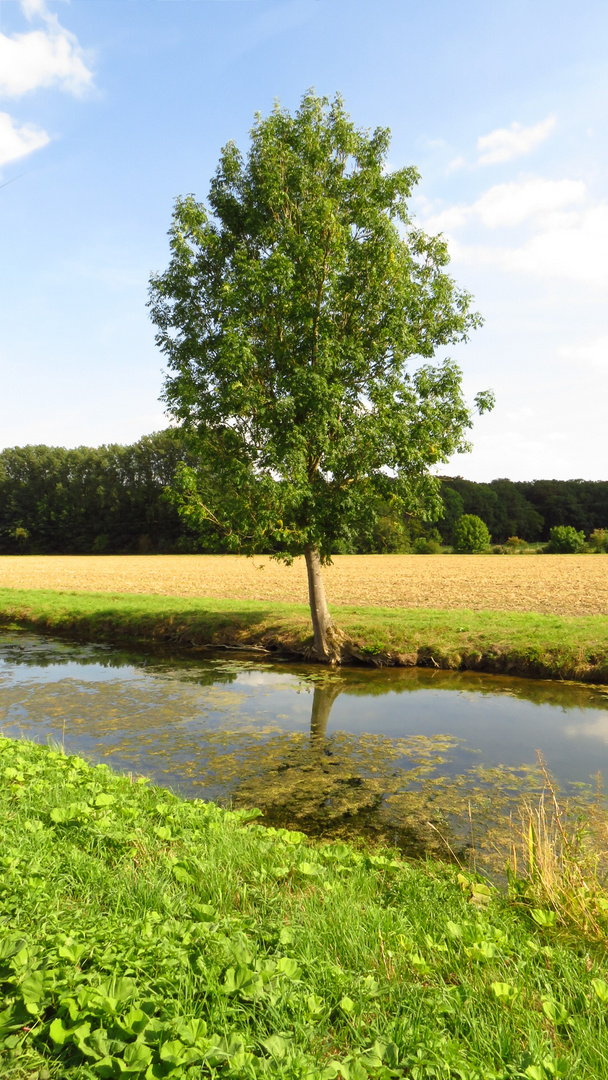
[
  {"x": 571, "y": 247},
  {"x": 507, "y": 143},
  {"x": 567, "y": 234},
  {"x": 592, "y": 353},
  {"x": 34, "y": 7},
  {"x": 16, "y": 142},
  {"x": 42, "y": 58},
  {"x": 506, "y": 205}
]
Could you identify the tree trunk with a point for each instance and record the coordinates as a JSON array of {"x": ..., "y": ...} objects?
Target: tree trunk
[
  {"x": 327, "y": 646},
  {"x": 323, "y": 699}
]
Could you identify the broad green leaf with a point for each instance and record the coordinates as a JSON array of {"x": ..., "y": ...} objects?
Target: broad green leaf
[
  {"x": 135, "y": 1021},
  {"x": 554, "y": 1011},
  {"x": 59, "y": 1034},
  {"x": 276, "y": 1046},
  {"x": 504, "y": 992},
  {"x": 191, "y": 1031},
  {"x": 71, "y": 950},
  {"x": 11, "y": 946},
  {"x": 137, "y": 1056},
  {"x": 104, "y": 799},
  {"x": 601, "y": 989},
  {"x": 288, "y": 967},
  {"x": 544, "y": 918},
  {"x": 309, "y": 869},
  {"x": 535, "y": 1072},
  {"x": 172, "y": 1052},
  {"x": 110, "y": 1067},
  {"x": 316, "y": 1006}
]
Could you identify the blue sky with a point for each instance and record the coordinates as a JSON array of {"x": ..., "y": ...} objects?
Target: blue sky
[{"x": 111, "y": 108}]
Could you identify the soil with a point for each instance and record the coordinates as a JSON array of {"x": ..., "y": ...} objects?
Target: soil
[{"x": 555, "y": 584}]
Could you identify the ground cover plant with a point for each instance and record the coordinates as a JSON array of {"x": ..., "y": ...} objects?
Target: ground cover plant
[
  {"x": 144, "y": 935},
  {"x": 525, "y": 643}
]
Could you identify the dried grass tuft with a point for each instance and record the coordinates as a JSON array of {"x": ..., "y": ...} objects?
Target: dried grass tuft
[{"x": 559, "y": 858}]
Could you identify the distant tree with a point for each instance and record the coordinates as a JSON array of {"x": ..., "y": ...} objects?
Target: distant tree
[
  {"x": 93, "y": 499},
  {"x": 453, "y": 508},
  {"x": 470, "y": 535},
  {"x": 565, "y": 540},
  {"x": 287, "y": 318},
  {"x": 599, "y": 540}
]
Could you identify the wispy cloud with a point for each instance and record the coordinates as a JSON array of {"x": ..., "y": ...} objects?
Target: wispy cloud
[
  {"x": 504, "y": 144},
  {"x": 455, "y": 164},
  {"x": 16, "y": 142}
]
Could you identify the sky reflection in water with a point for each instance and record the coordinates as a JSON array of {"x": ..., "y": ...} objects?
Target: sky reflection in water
[{"x": 399, "y": 755}]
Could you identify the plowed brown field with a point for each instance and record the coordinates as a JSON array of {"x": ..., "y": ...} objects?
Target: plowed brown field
[{"x": 560, "y": 584}]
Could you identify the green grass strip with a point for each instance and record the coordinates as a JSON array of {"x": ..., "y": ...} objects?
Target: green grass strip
[
  {"x": 145, "y": 935},
  {"x": 523, "y": 643}
]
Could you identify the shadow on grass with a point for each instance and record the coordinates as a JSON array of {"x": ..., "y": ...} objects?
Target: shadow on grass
[{"x": 159, "y": 621}]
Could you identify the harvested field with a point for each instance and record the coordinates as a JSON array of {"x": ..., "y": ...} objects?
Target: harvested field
[{"x": 554, "y": 584}]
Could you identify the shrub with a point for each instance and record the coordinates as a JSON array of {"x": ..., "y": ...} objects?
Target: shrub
[
  {"x": 599, "y": 540},
  {"x": 514, "y": 542},
  {"x": 565, "y": 540},
  {"x": 470, "y": 535},
  {"x": 426, "y": 546}
]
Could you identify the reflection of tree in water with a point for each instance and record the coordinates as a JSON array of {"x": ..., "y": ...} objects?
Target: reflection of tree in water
[{"x": 389, "y": 790}]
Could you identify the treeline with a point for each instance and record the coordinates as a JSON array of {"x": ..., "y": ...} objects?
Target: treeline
[
  {"x": 92, "y": 500},
  {"x": 528, "y": 509},
  {"x": 113, "y": 499}
]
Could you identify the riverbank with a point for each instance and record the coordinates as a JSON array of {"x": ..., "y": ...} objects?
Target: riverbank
[
  {"x": 147, "y": 935},
  {"x": 524, "y": 643}
]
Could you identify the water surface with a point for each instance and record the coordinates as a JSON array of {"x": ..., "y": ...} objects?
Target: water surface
[{"x": 425, "y": 759}]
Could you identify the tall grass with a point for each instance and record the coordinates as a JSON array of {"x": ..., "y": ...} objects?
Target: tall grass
[{"x": 559, "y": 859}]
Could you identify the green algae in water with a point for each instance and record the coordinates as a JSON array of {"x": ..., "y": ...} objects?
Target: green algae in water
[{"x": 433, "y": 762}]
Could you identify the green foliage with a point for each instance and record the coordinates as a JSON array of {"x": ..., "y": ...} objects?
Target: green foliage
[
  {"x": 470, "y": 535},
  {"x": 599, "y": 540},
  {"x": 565, "y": 540},
  {"x": 426, "y": 546},
  {"x": 288, "y": 316},
  {"x": 96, "y": 500},
  {"x": 144, "y": 935}
]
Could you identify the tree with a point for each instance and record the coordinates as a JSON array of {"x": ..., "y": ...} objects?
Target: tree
[
  {"x": 599, "y": 540},
  {"x": 565, "y": 540},
  {"x": 471, "y": 535},
  {"x": 287, "y": 316}
]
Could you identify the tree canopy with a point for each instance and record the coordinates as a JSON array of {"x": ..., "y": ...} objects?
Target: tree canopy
[{"x": 288, "y": 315}]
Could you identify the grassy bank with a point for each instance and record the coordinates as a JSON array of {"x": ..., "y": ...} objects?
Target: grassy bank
[
  {"x": 524, "y": 643},
  {"x": 144, "y": 935}
]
